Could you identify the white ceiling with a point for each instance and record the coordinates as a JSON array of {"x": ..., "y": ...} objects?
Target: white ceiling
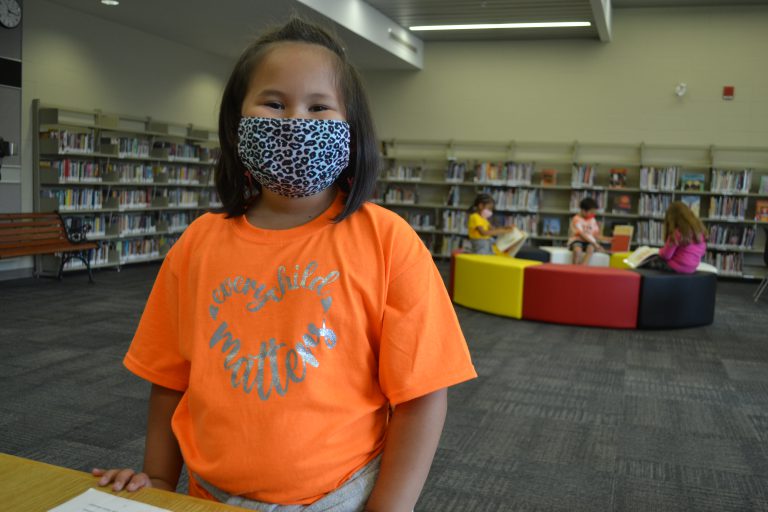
[
  {"x": 408, "y": 13},
  {"x": 224, "y": 27}
]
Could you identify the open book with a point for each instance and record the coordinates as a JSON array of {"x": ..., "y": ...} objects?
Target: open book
[
  {"x": 640, "y": 256},
  {"x": 507, "y": 240}
]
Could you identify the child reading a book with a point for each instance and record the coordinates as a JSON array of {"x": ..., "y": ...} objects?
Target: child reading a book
[
  {"x": 481, "y": 232},
  {"x": 584, "y": 233},
  {"x": 685, "y": 241},
  {"x": 300, "y": 341}
]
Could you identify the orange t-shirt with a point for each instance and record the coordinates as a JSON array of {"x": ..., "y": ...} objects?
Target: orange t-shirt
[{"x": 290, "y": 345}]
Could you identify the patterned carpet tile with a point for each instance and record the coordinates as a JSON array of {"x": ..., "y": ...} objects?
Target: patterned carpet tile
[{"x": 562, "y": 418}]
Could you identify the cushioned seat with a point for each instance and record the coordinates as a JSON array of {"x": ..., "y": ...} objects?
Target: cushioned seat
[
  {"x": 581, "y": 295},
  {"x": 559, "y": 255},
  {"x": 617, "y": 260},
  {"x": 528, "y": 252},
  {"x": 493, "y": 284},
  {"x": 564, "y": 256},
  {"x": 669, "y": 300}
]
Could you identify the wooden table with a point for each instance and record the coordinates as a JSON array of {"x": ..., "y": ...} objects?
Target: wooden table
[{"x": 30, "y": 486}]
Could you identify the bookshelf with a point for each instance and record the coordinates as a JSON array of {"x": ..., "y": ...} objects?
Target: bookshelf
[
  {"x": 136, "y": 181},
  {"x": 538, "y": 185}
]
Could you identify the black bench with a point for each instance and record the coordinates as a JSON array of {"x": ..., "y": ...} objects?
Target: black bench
[
  {"x": 671, "y": 301},
  {"x": 31, "y": 234}
]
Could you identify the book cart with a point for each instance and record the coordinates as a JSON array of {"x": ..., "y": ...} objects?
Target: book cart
[
  {"x": 137, "y": 182},
  {"x": 538, "y": 186}
]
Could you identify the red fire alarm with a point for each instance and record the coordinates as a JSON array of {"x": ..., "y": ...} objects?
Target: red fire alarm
[{"x": 728, "y": 91}]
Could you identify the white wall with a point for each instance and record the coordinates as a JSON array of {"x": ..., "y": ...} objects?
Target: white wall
[
  {"x": 589, "y": 91},
  {"x": 76, "y": 60}
]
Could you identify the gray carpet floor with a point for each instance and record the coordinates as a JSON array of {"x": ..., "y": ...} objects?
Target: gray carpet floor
[{"x": 561, "y": 419}]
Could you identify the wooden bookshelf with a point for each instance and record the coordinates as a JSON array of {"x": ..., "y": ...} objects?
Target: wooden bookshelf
[
  {"x": 432, "y": 184},
  {"x": 137, "y": 181}
]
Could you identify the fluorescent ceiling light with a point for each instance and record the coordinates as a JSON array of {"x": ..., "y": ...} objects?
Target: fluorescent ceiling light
[
  {"x": 483, "y": 26},
  {"x": 110, "y": 2}
]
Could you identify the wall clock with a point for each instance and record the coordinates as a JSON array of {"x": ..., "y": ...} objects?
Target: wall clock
[{"x": 10, "y": 13}]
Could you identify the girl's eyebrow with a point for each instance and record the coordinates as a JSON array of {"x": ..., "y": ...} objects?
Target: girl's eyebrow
[
  {"x": 312, "y": 96},
  {"x": 270, "y": 92}
]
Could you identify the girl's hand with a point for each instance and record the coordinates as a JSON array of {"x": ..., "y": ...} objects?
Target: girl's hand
[{"x": 123, "y": 478}]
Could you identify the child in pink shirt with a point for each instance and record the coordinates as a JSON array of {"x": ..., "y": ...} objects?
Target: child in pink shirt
[{"x": 685, "y": 242}]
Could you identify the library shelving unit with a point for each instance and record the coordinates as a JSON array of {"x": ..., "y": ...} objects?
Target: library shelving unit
[
  {"x": 538, "y": 186},
  {"x": 136, "y": 181}
]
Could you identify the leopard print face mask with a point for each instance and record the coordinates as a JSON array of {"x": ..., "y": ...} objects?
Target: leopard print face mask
[{"x": 293, "y": 157}]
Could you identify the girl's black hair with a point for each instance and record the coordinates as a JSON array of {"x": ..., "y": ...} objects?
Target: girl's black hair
[
  {"x": 480, "y": 199},
  {"x": 357, "y": 181},
  {"x": 587, "y": 204}
]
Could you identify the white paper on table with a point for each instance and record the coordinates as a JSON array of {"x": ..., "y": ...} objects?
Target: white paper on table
[{"x": 97, "y": 501}]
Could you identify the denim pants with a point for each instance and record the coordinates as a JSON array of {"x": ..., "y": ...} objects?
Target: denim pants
[{"x": 482, "y": 245}]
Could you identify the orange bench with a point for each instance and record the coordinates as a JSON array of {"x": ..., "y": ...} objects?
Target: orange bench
[{"x": 30, "y": 234}]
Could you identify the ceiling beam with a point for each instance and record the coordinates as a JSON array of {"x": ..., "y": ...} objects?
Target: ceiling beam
[
  {"x": 370, "y": 24},
  {"x": 601, "y": 12}
]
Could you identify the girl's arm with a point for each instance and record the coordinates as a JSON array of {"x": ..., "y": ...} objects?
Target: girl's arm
[
  {"x": 412, "y": 438},
  {"x": 670, "y": 246},
  {"x": 668, "y": 251},
  {"x": 493, "y": 231},
  {"x": 162, "y": 456}
]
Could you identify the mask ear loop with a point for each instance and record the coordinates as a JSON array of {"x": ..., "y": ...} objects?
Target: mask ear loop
[{"x": 249, "y": 185}]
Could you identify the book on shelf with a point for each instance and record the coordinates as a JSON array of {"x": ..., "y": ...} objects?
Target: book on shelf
[
  {"x": 727, "y": 262},
  {"x": 549, "y": 177},
  {"x": 654, "y": 205},
  {"x": 763, "y": 185},
  {"x": 731, "y": 182},
  {"x": 694, "y": 203},
  {"x": 653, "y": 178},
  {"x": 649, "y": 232},
  {"x": 455, "y": 171},
  {"x": 514, "y": 199},
  {"x": 621, "y": 238},
  {"x": 640, "y": 256},
  {"x": 692, "y": 182},
  {"x": 506, "y": 240},
  {"x": 731, "y": 235},
  {"x": 728, "y": 207},
  {"x": 517, "y": 173},
  {"x": 583, "y": 175},
  {"x": 617, "y": 178},
  {"x": 486, "y": 172},
  {"x": 761, "y": 210},
  {"x": 454, "y": 196},
  {"x": 527, "y": 222},
  {"x": 404, "y": 173},
  {"x": 578, "y": 195},
  {"x": 622, "y": 203},
  {"x": 550, "y": 226},
  {"x": 455, "y": 221}
]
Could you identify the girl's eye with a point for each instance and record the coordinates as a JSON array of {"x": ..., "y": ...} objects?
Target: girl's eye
[
  {"x": 273, "y": 104},
  {"x": 318, "y": 108}
]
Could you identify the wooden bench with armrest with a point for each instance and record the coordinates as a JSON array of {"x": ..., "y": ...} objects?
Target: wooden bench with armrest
[{"x": 31, "y": 234}]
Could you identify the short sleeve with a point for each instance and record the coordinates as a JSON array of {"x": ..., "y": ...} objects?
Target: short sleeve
[
  {"x": 472, "y": 224},
  {"x": 422, "y": 347},
  {"x": 155, "y": 353}
]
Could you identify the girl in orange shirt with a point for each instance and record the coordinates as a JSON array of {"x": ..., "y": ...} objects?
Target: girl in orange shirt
[{"x": 291, "y": 361}]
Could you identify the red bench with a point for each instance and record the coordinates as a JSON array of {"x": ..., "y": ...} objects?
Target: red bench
[
  {"x": 30, "y": 234},
  {"x": 581, "y": 295}
]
